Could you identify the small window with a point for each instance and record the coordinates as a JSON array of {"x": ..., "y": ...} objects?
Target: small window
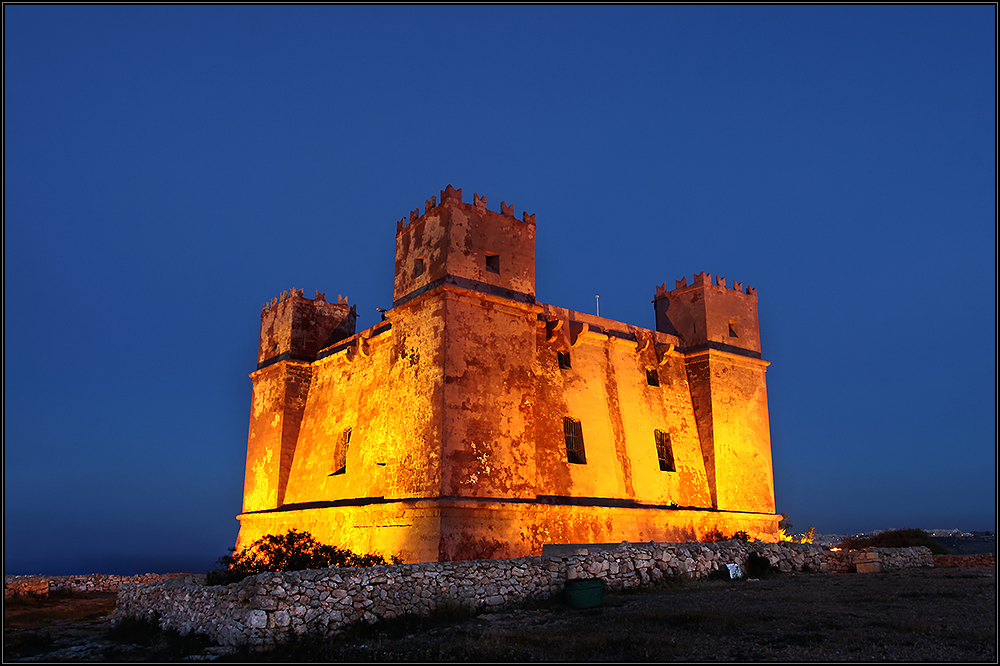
[
  {"x": 340, "y": 455},
  {"x": 493, "y": 263},
  {"x": 418, "y": 267},
  {"x": 574, "y": 441},
  {"x": 652, "y": 377},
  {"x": 664, "y": 451},
  {"x": 563, "y": 360},
  {"x": 732, "y": 330}
]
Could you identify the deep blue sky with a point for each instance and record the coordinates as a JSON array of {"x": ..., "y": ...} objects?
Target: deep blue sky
[{"x": 170, "y": 168}]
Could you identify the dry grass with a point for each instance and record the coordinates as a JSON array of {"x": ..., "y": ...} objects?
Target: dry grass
[{"x": 28, "y": 611}]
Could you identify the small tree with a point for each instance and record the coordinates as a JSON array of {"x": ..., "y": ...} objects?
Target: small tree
[{"x": 293, "y": 551}]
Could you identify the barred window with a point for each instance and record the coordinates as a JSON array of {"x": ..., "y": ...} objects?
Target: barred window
[
  {"x": 340, "y": 455},
  {"x": 664, "y": 451},
  {"x": 563, "y": 360},
  {"x": 574, "y": 441}
]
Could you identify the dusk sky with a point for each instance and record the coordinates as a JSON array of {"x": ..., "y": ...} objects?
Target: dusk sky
[{"x": 168, "y": 169}]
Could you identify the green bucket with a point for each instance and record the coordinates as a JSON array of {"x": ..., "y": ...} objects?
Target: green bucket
[{"x": 584, "y": 592}]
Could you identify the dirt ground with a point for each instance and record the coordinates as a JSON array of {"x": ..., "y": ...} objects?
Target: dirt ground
[{"x": 940, "y": 614}]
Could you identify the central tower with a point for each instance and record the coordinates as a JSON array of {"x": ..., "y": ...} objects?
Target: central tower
[
  {"x": 465, "y": 245},
  {"x": 474, "y": 269}
]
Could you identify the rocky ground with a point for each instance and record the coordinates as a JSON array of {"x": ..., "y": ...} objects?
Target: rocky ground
[{"x": 941, "y": 614}]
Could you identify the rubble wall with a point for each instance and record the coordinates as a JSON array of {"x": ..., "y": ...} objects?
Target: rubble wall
[
  {"x": 977, "y": 560},
  {"x": 43, "y": 585},
  {"x": 264, "y": 609}
]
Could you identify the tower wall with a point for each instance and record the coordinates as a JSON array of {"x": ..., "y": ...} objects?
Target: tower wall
[
  {"x": 385, "y": 385},
  {"x": 489, "y": 432},
  {"x": 607, "y": 390}
]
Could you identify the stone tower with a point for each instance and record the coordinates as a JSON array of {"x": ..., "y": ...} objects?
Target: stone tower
[
  {"x": 720, "y": 339},
  {"x": 292, "y": 330},
  {"x": 476, "y": 422}
]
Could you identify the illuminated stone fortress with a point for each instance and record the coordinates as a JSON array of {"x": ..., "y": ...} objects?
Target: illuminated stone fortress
[{"x": 476, "y": 422}]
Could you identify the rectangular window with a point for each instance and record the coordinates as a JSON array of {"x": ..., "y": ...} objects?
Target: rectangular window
[
  {"x": 664, "y": 451},
  {"x": 732, "y": 330},
  {"x": 574, "y": 441},
  {"x": 652, "y": 377},
  {"x": 493, "y": 263},
  {"x": 563, "y": 360},
  {"x": 418, "y": 267},
  {"x": 340, "y": 455}
]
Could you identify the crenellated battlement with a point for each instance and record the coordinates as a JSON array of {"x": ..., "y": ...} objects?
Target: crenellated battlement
[
  {"x": 297, "y": 293},
  {"x": 702, "y": 279},
  {"x": 453, "y": 196}
]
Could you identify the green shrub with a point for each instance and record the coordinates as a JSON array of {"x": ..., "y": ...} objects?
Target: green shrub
[
  {"x": 293, "y": 551},
  {"x": 895, "y": 539}
]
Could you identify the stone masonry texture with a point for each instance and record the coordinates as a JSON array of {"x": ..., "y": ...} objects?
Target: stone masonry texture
[{"x": 263, "y": 609}]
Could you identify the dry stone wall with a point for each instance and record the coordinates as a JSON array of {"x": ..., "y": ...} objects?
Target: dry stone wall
[
  {"x": 977, "y": 560},
  {"x": 263, "y": 609},
  {"x": 43, "y": 585},
  {"x": 869, "y": 560}
]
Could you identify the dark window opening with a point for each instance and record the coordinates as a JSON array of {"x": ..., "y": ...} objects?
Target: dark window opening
[
  {"x": 340, "y": 455},
  {"x": 664, "y": 451},
  {"x": 574, "y": 441},
  {"x": 418, "y": 267},
  {"x": 563, "y": 360},
  {"x": 493, "y": 263},
  {"x": 652, "y": 377},
  {"x": 732, "y": 330}
]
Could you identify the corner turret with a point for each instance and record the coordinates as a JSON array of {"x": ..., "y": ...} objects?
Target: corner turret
[
  {"x": 706, "y": 314},
  {"x": 296, "y": 328}
]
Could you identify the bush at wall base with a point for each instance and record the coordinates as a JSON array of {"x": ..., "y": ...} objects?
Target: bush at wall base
[{"x": 293, "y": 551}]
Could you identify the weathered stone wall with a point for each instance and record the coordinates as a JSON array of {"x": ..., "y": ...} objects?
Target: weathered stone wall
[
  {"x": 869, "y": 560},
  {"x": 263, "y": 609},
  {"x": 43, "y": 585},
  {"x": 978, "y": 560}
]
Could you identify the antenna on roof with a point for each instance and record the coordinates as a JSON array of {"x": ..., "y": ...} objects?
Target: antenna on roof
[{"x": 598, "y": 305}]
